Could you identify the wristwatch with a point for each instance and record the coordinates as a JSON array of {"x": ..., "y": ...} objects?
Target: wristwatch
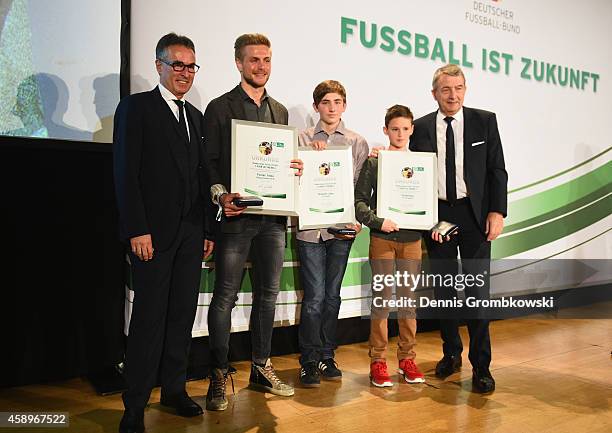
[{"x": 216, "y": 192}]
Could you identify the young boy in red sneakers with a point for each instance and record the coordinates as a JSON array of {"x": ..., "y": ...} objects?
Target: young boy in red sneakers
[{"x": 391, "y": 249}]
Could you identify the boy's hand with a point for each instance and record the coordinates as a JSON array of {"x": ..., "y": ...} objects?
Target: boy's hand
[
  {"x": 298, "y": 165},
  {"x": 389, "y": 226},
  {"x": 375, "y": 150},
  {"x": 319, "y": 145}
]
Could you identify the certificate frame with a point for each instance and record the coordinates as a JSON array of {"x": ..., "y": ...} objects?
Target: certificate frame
[
  {"x": 261, "y": 155},
  {"x": 326, "y": 188},
  {"x": 407, "y": 188}
]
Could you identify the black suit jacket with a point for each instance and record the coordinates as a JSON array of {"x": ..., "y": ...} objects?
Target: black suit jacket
[
  {"x": 149, "y": 169},
  {"x": 484, "y": 168},
  {"x": 218, "y": 138}
]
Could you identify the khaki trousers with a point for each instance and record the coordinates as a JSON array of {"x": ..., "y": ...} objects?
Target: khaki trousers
[{"x": 387, "y": 258}]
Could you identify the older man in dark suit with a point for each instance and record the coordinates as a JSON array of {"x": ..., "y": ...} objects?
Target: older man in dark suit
[
  {"x": 240, "y": 233},
  {"x": 159, "y": 169},
  {"x": 472, "y": 190}
]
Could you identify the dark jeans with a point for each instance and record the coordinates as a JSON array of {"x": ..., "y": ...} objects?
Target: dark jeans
[
  {"x": 265, "y": 237},
  {"x": 166, "y": 292},
  {"x": 322, "y": 267},
  {"x": 475, "y": 259}
]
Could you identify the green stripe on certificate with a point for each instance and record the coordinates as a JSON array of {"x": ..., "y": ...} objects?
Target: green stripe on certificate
[
  {"x": 414, "y": 212},
  {"x": 338, "y": 210},
  {"x": 270, "y": 195}
]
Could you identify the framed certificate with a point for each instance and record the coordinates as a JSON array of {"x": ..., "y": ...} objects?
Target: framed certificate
[
  {"x": 326, "y": 187},
  {"x": 261, "y": 156},
  {"x": 407, "y": 189}
]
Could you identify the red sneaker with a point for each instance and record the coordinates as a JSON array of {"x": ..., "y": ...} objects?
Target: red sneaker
[
  {"x": 378, "y": 374},
  {"x": 410, "y": 371}
]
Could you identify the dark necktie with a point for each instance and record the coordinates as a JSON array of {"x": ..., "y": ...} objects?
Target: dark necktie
[
  {"x": 182, "y": 123},
  {"x": 451, "y": 186}
]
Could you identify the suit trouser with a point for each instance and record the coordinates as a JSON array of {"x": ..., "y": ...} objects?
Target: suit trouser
[
  {"x": 386, "y": 258},
  {"x": 475, "y": 259},
  {"x": 165, "y": 300}
]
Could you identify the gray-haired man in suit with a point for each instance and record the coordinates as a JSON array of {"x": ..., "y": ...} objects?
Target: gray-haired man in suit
[
  {"x": 159, "y": 173},
  {"x": 472, "y": 188}
]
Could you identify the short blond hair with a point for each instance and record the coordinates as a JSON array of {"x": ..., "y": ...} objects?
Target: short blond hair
[
  {"x": 450, "y": 69},
  {"x": 249, "y": 39}
]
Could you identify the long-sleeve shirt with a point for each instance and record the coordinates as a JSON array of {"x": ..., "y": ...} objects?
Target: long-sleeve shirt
[
  {"x": 365, "y": 205},
  {"x": 341, "y": 137}
]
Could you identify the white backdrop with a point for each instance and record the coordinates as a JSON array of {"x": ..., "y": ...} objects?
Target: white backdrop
[
  {"x": 557, "y": 126},
  {"x": 556, "y": 138}
]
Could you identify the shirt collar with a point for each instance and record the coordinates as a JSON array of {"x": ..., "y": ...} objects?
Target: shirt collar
[
  {"x": 340, "y": 129},
  {"x": 458, "y": 116},
  {"x": 167, "y": 94},
  {"x": 246, "y": 97}
]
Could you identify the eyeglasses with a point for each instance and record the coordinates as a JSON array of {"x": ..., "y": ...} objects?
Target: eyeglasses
[{"x": 180, "y": 66}]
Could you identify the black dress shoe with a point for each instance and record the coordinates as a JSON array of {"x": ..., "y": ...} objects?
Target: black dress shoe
[
  {"x": 482, "y": 381},
  {"x": 447, "y": 366},
  {"x": 132, "y": 421},
  {"x": 183, "y": 404}
]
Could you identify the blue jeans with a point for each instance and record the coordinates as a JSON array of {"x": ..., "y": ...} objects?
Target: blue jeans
[
  {"x": 322, "y": 267},
  {"x": 265, "y": 238}
]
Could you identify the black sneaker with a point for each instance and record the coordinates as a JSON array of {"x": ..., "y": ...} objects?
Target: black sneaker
[
  {"x": 309, "y": 375},
  {"x": 215, "y": 397},
  {"x": 265, "y": 379},
  {"x": 329, "y": 369}
]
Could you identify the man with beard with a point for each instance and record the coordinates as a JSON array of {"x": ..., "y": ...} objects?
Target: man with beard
[{"x": 240, "y": 233}]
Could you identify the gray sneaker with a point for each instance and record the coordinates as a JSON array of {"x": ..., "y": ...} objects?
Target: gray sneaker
[
  {"x": 215, "y": 397},
  {"x": 265, "y": 378}
]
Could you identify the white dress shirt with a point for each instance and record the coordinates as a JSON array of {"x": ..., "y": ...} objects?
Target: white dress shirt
[
  {"x": 169, "y": 98},
  {"x": 457, "y": 124}
]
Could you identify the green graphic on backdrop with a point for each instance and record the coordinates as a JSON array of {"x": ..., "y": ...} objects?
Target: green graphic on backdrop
[
  {"x": 403, "y": 42},
  {"x": 533, "y": 221},
  {"x": 557, "y": 212}
]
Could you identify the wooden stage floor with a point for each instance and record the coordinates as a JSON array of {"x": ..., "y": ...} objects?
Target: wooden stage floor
[{"x": 553, "y": 375}]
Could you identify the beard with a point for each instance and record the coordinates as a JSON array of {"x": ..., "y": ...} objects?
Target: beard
[{"x": 255, "y": 85}]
